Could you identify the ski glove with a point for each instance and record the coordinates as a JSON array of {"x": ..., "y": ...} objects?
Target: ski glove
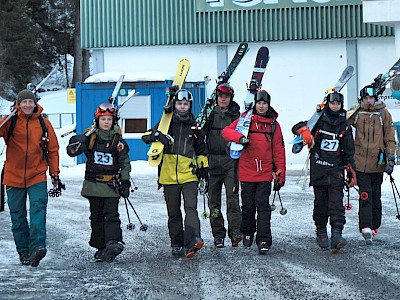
[
  {"x": 57, "y": 186},
  {"x": 351, "y": 176},
  {"x": 80, "y": 138},
  {"x": 124, "y": 188},
  {"x": 390, "y": 164},
  {"x": 278, "y": 183},
  {"x": 203, "y": 173},
  {"x": 244, "y": 141},
  {"x": 158, "y": 136},
  {"x": 306, "y": 135}
]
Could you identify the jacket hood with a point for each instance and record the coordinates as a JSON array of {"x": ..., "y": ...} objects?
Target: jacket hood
[{"x": 379, "y": 104}]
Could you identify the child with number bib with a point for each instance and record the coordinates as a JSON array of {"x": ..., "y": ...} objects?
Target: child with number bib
[{"x": 106, "y": 179}]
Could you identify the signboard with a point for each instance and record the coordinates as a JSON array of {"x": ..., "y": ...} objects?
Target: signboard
[
  {"x": 213, "y": 5},
  {"x": 71, "y": 96}
]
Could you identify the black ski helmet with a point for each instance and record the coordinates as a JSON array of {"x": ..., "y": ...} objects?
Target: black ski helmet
[
  {"x": 262, "y": 96},
  {"x": 226, "y": 89},
  {"x": 368, "y": 90},
  {"x": 335, "y": 96},
  {"x": 183, "y": 94}
]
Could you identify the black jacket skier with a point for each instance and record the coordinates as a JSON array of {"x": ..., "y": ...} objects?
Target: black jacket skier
[
  {"x": 331, "y": 153},
  {"x": 223, "y": 169}
]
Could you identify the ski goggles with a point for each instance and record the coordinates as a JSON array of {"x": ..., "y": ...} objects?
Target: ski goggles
[
  {"x": 332, "y": 97},
  {"x": 106, "y": 107},
  {"x": 262, "y": 96},
  {"x": 183, "y": 95},
  {"x": 224, "y": 89},
  {"x": 368, "y": 91}
]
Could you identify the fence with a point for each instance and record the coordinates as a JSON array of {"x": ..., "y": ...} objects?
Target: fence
[{"x": 60, "y": 119}]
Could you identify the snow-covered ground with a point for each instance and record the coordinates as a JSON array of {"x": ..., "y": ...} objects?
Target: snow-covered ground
[{"x": 294, "y": 269}]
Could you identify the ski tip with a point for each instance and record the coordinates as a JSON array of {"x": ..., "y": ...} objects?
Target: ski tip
[
  {"x": 296, "y": 148},
  {"x": 296, "y": 140}
]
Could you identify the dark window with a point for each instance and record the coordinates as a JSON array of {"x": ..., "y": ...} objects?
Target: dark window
[{"x": 135, "y": 125}]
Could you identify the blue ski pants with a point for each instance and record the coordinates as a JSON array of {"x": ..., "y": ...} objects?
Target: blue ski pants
[{"x": 28, "y": 236}]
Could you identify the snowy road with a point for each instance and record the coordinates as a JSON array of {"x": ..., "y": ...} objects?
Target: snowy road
[{"x": 294, "y": 269}]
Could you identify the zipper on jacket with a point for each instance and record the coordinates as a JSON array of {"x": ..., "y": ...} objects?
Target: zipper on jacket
[
  {"x": 26, "y": 153},
  {"x": 177, "y": 155},
  {"x": 366, "y": 154}
]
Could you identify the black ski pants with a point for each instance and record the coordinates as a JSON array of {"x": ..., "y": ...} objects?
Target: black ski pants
[
  {"x": 328, "y": 204},
  {"x": 370, "y": 204},
  {"x": 255, "y": 199},
  {"x": 104, "y": 221},
  {"x": 233, "y": 212},
  {"x": 172, "y": 193}
]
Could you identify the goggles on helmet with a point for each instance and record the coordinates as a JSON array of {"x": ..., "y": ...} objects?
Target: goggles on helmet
[
  {"x": 368, "y": 91},
  {"x": 183, "y": 95},
  {"x": 262, "y": 96},
  {"x": 332, "y": 97},
  {"x": 105, "y": 109},
  {"x": 224, "y": 89}
]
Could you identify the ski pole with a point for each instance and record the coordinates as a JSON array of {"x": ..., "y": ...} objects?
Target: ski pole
[
  {"x": 347, "y": 206},
  {"x": 394, "y": 195},
  {"x": 143, "y": 227},
  {"x": 130, "y": 226},
  {"x": 203, "y": 192}
]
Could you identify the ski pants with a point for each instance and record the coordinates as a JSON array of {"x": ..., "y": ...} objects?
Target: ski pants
[
  {"x": 370, "y": 205},
  {"x": 172, "y": 193},
  {"x": 27, "y": 237},
  {"x": 328, "y": 203},
  {"x": 104, "y": 221},
  {"x": 255, "y": 199},
  {"x": 233, "y": 212}
]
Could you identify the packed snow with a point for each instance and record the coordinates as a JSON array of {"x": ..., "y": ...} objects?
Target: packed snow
[{"x": 294, "y": 269}]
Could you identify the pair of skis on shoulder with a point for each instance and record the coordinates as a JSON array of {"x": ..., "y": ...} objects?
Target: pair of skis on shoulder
[
  {"x": 253, "y": 87},
  {"x": 156, "y": 150},
  {"x": 344, "y": 78}
]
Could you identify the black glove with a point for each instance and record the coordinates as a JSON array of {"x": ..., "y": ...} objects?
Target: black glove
[
  {"x": 165, "y": 139},
  {"x": 390, "y": 164},
  {"x": 244, "y": 141},
  {"x": 203, "y": 173},
  {"x": 124, "y": 188},
  {"x": 80, "y": 138},
  {"x": 57, "y": 186}
]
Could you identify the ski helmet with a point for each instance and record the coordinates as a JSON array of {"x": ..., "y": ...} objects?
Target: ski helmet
[
  {"x": 335, "y": 96},
  {"x": 262, "y": 96},
  {"x": 226, "y": 89},
  {"x": 105, "y": 109},
  {"x": 184, "y": 94},
  {"x": 368, "y": 90}
]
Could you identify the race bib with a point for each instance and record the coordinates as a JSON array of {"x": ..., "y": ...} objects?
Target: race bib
[
  {"x": 105, "y": 159},
  {"x": 329, "y": 145}
]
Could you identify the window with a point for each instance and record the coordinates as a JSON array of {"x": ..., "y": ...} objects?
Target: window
[{"x": 135, "y": 116}]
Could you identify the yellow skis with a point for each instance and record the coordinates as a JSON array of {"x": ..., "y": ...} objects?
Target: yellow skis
[{"x": 156, "y": 150}]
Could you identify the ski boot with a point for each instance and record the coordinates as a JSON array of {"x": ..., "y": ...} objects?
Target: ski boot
[
  {"x": 322, "y": 238},
  {"x": 247, "y": 241},
  {"x": 196, "y": 247},
  {"x": 337, "y": 241},
  {"x": 113, "y": 249},
  {"x": 37, "y": 255},
  {"x": 367, "y": 235},
  {"x": 177, "y": 252},
  {"x": 263, "y": 248},
  {"x": 219, "y": 242},
  {"x": 237, "y": 237}
]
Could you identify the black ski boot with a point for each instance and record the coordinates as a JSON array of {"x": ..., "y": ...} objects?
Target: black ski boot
[
  {"x": 263, "y": 248},
  {"x": 99, "y": 255},
  {"x": 113, "y": 249},
  {"x": 322, "y": 238},
  {"x": 219, "y": 242},
  {"x": 247, "y": 241},
  {"x": 177, "y": 252},
  {"x": 337, "y": 241}
]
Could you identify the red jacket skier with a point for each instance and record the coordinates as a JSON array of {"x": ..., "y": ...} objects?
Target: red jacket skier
[{"x": 262, "y": 160}]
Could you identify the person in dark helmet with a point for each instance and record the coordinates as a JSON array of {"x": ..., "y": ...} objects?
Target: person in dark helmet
[
  {"x": 106, "y": 180},
  {"x": 223, "y": 169},
  {"x": 30, "y": 154},
  {"x": 331, "y": 152},
  {"x": 375, "y": 154},
  {"x": 184, "y": 162},
  {"x": 263, "y": 159}
]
